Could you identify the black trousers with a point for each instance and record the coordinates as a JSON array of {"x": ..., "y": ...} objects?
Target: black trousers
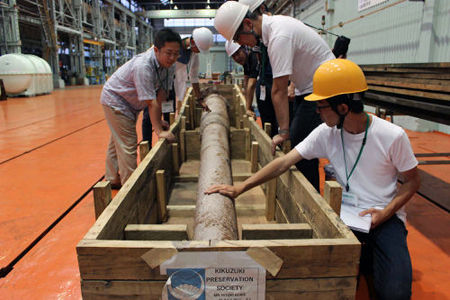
[
  {"x": 265, "y": 108},
  {"x": 305, "y": 120}
]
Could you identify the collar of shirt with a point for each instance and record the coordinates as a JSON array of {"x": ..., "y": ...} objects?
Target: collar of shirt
[
  {"x": 153, "y": 58},
  {"x": 265, "y": 28}
]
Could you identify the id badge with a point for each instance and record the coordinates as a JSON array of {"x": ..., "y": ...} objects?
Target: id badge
[
  {"x": 167, "y": 106},
  {"x": 349, "y": 198},
  {"x": 262, "y": 95}
]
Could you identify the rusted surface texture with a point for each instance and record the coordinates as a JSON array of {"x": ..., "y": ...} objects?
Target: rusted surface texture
[{"x": 215, "y": 217}]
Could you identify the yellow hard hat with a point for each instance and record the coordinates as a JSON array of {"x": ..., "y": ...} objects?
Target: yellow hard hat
[{"x": 337, "y": 77}]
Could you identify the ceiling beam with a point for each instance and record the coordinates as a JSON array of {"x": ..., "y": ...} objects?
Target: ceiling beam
[{"x": 179, "y": 13}]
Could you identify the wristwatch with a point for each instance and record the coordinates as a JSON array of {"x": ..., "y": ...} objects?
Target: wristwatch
[{"x": 283, "y": 131}]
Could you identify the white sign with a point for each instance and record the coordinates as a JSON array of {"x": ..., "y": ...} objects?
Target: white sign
[
  {"x": 213, "y": 275},
  {"x": 365, "y": 4}
]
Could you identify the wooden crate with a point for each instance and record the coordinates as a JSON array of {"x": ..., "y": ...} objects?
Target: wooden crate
[{"x": 320, "y": 254}]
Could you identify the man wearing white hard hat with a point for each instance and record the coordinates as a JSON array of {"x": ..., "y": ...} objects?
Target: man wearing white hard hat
[
  {"x": 295, "y": 52},
  {"x": 249, "y": 61},
  {"x": 186, "y": 73}
]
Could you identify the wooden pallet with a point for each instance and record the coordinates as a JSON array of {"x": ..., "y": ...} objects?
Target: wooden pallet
[{"x": 154, "y": 210}]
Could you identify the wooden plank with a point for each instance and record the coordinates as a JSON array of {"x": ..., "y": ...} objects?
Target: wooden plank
[
  {"x": 247, "y": 143},
  {"x": 175, "y": 159},
  {"x": 276, "y": 231},
  {"x": 192, "y": 144},
  {"x": 161, "y": 188},
  {"x": 241, "y": 210},
  {"x": 171, "y": 118},
  {"x": 183, "y": 145},
  {"x": 198, "y": 116},
  {"x": 123, "y": 209},
  {"x": 280, "y": 215},
  {"x": 268, "y": 128},
  {"x": 292, "y": 211},
  {"x": 414, "y": 93},
  {"x": 144, "y": 149},
  {"x": 254, "y": 157},
  {"x": 270, "y": 199},
  {"x": 333, "y": 195},
  {"x": 156, "y": 232},
  {"x": 238, "y": 143},
  {"x": 418, "y": 86},
  {"x": 307, "y": 289},
  {"x": 102, "y": 196},
  {"x": 303, "y": 258}
]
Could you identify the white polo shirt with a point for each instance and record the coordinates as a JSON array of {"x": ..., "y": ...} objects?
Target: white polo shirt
[
  {"x": 294, "y": 49},
  {"x": 386, "y": 153}
]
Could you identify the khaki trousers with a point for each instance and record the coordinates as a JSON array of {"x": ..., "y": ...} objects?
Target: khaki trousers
[{"x": 121, "y": 156}]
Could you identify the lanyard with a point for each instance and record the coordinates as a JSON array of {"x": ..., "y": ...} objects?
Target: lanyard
[
  {"x": 166, "y": 86},
  {"x": 347, "y": 187}
]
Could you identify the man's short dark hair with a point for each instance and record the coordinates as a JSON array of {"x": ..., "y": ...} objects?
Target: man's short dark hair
[
  {"x": 166, "y": 35},
  {"x": 355, "y": 106},
  {"x": 341, "y": 46}
]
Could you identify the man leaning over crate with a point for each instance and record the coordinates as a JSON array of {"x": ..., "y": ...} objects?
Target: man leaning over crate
[{"x": 142, "y": 82}]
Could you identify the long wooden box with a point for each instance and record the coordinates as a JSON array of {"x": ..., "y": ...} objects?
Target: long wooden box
[{"x": 320, "y": 265}]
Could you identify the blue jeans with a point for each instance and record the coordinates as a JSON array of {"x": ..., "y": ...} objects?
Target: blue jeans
[{"x": 385, "y": 256}]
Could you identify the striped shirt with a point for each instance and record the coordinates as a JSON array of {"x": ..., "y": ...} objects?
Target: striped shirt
[{"x": 135, "y": 82}]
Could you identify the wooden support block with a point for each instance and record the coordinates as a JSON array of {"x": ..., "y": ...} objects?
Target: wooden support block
[
  {"x": 171, "y": 118},
  {"x": 198, "y": 116},
  {"x": 187, "y": 112},
  {"x": 182, "y": 145},
  {"x": 276, "y": 231},
  {"x": 162, "y": 195},
  {"x": 183, "y": 123},
  {"x": 254, "y": 157},
  {"x": 287, "y": 146},
  {"x": 247, "y": 143},
  {"x": 156, "y": 232},
  {"x": 241, "y": 123},
  {"x": 144, "y": 149},
  {"x": 192, "y": 113},
  {"x": 175, "y": 158},
  {"x": 102, "y": 196},
  {"x": 270, "y": 199},
  {"x": 268, "y": 128},
  {"x": 333, "y": 195}
]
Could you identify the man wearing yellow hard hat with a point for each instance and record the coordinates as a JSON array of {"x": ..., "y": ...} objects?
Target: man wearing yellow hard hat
[{"x": 368, "y": 154}]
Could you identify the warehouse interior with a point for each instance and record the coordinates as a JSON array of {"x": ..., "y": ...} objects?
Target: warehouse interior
[{"x": 54, "y": 134}]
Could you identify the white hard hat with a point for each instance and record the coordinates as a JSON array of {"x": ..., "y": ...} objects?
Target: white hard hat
[
  {"x": 252, "y": 4},
  {"x": 229, "y": 17},
  {"x": 203, "y": 38},
  {"x": 231, "y": 47}
]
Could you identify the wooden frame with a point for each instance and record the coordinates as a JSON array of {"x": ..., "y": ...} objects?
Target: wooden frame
[{"x": 325, "y": 265}]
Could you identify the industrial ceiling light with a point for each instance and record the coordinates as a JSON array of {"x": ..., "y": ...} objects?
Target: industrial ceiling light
[
  {"x": 207, "y": 6},
  {"x": 175, "y": 7}
]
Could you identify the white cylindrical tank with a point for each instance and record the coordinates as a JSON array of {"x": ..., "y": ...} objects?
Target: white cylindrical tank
[
  {"x": 25, "y": 74},
  {"x": 16, "y": 71}
]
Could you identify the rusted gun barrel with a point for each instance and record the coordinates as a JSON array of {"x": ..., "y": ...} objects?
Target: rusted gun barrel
[{"x": 215, "y": 216}]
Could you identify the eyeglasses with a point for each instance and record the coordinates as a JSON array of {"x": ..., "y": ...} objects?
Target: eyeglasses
[
  {"x": 319, "y": 108},
  {"x": 171, "y": 54}
]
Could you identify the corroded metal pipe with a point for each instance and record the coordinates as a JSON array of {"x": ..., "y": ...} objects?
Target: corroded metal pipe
[{"x": 215, "y": 216}]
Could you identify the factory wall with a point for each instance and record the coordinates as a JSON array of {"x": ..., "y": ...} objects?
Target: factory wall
[{"x": 408, "y": 32}]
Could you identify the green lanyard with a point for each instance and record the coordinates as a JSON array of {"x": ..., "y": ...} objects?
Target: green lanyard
[{"x": 347, "y": 187}]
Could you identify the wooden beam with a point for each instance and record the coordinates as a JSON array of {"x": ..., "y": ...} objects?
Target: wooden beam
[
  {"x": 333, "y": 195},
  {"x": 182, "y": 145},
  {"x": 171, "y": 118},
  {"x": 254, "y": 157},
  {"x": 276, "y": 231},
  {"x": 198, "y": 116},
  {"x": 162, "y": 195},
  {"x": 268, "y": 128},
  {"x": 270, "y": 199},
  {"x": 156, "y": 232},
  {"x": 247, "y": 143},
  {"x": 102, "y": 196},
  {"x": 144, "y": 149},
  {"x": 175, "y": 158}
]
